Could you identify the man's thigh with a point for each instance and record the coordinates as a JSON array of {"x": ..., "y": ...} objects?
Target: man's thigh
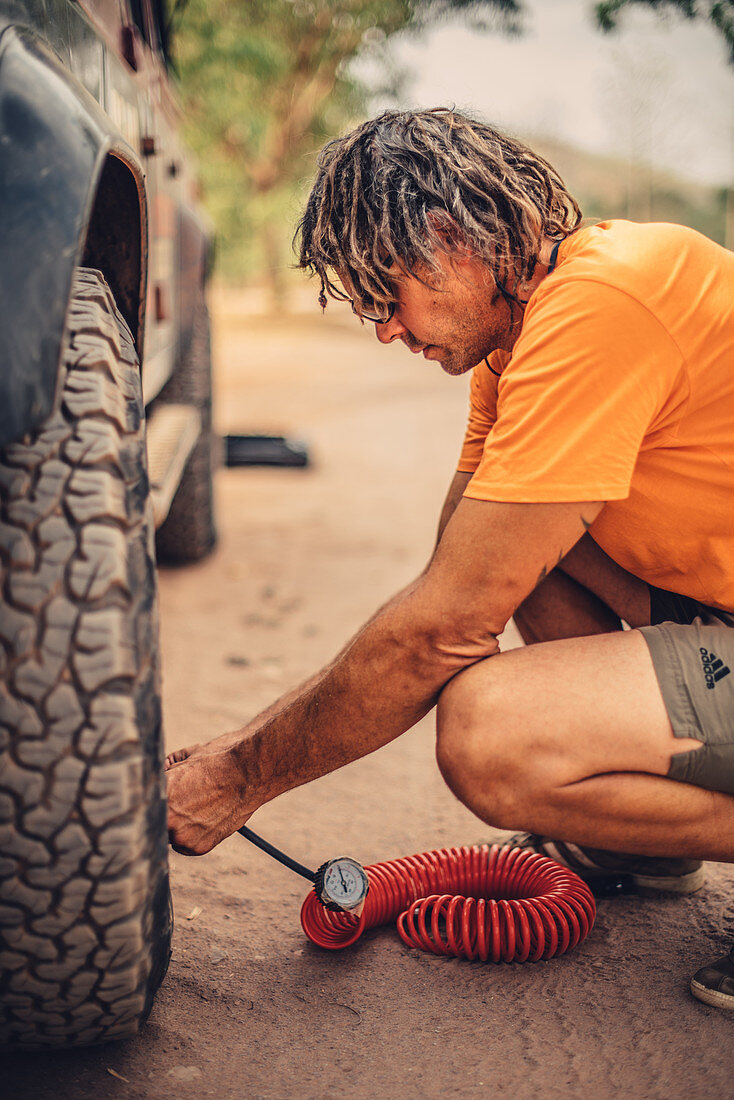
[
  {"x": 566, "y": 710},
  {"x": 692, "y": 652}
]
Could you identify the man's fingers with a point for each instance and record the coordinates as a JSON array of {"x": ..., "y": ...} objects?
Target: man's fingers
[{"x": 178, "y": 756}]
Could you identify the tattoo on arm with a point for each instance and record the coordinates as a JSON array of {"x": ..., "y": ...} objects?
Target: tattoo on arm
[{"x": 549, "y": 568}]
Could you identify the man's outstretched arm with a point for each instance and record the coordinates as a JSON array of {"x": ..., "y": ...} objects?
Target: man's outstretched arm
[{"x": 388, "y": 676}]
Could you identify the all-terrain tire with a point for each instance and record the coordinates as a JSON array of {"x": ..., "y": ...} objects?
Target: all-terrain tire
[
  {"x": 85, "y": 921},
  {"x": 188, "y": 533}
]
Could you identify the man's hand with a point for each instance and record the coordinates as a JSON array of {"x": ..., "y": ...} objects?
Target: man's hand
[{"x": 205, "y": 796}]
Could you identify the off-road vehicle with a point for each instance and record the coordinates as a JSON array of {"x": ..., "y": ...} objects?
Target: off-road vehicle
[{"x": 103, "y": 264}]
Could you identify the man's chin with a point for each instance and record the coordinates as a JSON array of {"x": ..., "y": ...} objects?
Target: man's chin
[
  {"x": 463, "y": 360},
  {"x": 452, "y": 364}
]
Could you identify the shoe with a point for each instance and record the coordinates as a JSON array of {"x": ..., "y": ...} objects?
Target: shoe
[
  {"x": 714, "y": 984},
  {"x": 615, "y": 872}
]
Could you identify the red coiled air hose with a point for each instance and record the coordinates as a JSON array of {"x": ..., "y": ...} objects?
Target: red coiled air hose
[{"x": 499, "y": 904}]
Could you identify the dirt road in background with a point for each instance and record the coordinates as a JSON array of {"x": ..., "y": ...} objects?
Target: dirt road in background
[{"x": 249, "y": 1008}]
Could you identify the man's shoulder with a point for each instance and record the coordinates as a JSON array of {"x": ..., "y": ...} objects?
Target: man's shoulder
[
  {"x": 634, "y": 256},
  {"x": 656, "y": 267}
]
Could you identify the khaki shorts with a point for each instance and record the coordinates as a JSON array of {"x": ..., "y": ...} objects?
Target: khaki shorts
[{"x": 692, "y": 648}]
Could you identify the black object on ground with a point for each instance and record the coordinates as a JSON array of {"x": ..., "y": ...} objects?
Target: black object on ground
[
  {"x": 604, "y": 886},
  {"x": 264, "y": 450}
]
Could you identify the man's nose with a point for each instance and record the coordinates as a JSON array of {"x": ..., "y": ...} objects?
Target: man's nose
[{"x": 391, "y": 330}]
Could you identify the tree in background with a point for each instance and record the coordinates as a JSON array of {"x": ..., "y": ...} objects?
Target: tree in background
[
  {"x": 265, "y": 84},
  {"x": 719, "y": 12}
]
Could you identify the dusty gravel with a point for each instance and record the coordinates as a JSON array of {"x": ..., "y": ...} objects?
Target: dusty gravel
[{"x": 249, "y": 1008}]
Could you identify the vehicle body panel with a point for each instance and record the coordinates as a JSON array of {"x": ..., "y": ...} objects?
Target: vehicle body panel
[{"x": 84, "y": 86}]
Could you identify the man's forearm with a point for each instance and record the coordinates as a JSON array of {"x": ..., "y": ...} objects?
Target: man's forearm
[
  {"x": 381, "y": 684},
  {"x": 384, "y": 681},
  {"x": 390, "y": 674}
]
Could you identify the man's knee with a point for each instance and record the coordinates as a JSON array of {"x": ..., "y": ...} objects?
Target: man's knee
[{"x": 478, "y": 761}]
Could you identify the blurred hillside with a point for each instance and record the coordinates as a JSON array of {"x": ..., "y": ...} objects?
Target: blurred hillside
[{"x": 610, "y": 187}]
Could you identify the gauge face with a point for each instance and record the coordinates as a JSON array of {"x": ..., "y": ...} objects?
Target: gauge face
[{"x": 345, "y": 883}]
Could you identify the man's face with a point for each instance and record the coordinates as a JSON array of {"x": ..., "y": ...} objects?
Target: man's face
[{"x": 455, "y": 318}]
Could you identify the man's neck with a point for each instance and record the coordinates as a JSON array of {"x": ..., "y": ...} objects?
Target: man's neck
[{"x": 541, "y": 267}]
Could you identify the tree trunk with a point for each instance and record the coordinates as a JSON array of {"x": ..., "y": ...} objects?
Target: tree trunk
[{"x": 274, "y": 266}]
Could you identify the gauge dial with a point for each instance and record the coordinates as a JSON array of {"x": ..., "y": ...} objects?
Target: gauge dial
[{"x": 343, "y": 883}]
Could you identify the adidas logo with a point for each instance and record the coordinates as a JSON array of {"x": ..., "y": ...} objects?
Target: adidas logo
[{"x": 714, "y": 668}]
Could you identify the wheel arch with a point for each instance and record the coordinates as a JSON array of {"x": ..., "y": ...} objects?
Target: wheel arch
[
  {"x": 115, "y": 238},
  {"x": 76, "y": 192}
]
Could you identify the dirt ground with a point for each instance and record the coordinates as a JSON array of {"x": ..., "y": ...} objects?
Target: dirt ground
[{"x": 249, "y": 1008}]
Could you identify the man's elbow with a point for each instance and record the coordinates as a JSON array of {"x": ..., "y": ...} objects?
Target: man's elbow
[
  {"x": 439, "y": 633},
  {"x": 455, "y": 641}
]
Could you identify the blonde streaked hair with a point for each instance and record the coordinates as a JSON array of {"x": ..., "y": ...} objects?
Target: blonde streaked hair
[{"x": 408, "y": 184}]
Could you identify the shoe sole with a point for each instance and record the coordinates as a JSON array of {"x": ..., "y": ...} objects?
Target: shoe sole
[
  {"x": 711, "y": 996},
  {"x": 646, "y": 884},
  {"x": 671, "y": 884}
]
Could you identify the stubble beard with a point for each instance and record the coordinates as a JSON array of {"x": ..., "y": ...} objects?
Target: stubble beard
[
  {"x": 459, "y": 360},
  {"x": 478, "y": 342},
  {"x": 454, "y": 368}
]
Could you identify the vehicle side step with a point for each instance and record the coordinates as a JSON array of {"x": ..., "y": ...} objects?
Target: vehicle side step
[
  {"x": 264, "y": 450},
  {"x": 172, "y": 432}
]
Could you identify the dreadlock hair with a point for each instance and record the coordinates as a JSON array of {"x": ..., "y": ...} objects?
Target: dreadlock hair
[{"x": 409, "y": 184}]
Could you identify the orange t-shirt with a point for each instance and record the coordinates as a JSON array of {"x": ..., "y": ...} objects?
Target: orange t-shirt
[{"x": 621, "y": 388}]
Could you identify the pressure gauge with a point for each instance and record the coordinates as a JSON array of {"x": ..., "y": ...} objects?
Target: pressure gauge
[{"x": 342, "y": 884}]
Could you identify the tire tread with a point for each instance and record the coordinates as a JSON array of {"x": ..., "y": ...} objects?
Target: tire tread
[{"x": 84, "y": 916}]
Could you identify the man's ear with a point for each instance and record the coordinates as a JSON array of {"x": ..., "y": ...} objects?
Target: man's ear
[{"x": 449, "y": 237}]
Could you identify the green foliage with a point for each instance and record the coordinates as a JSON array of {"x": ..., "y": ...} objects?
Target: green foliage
[
  {"x": 719, "y": 12},
  {"x": 265, "y": 83}
]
